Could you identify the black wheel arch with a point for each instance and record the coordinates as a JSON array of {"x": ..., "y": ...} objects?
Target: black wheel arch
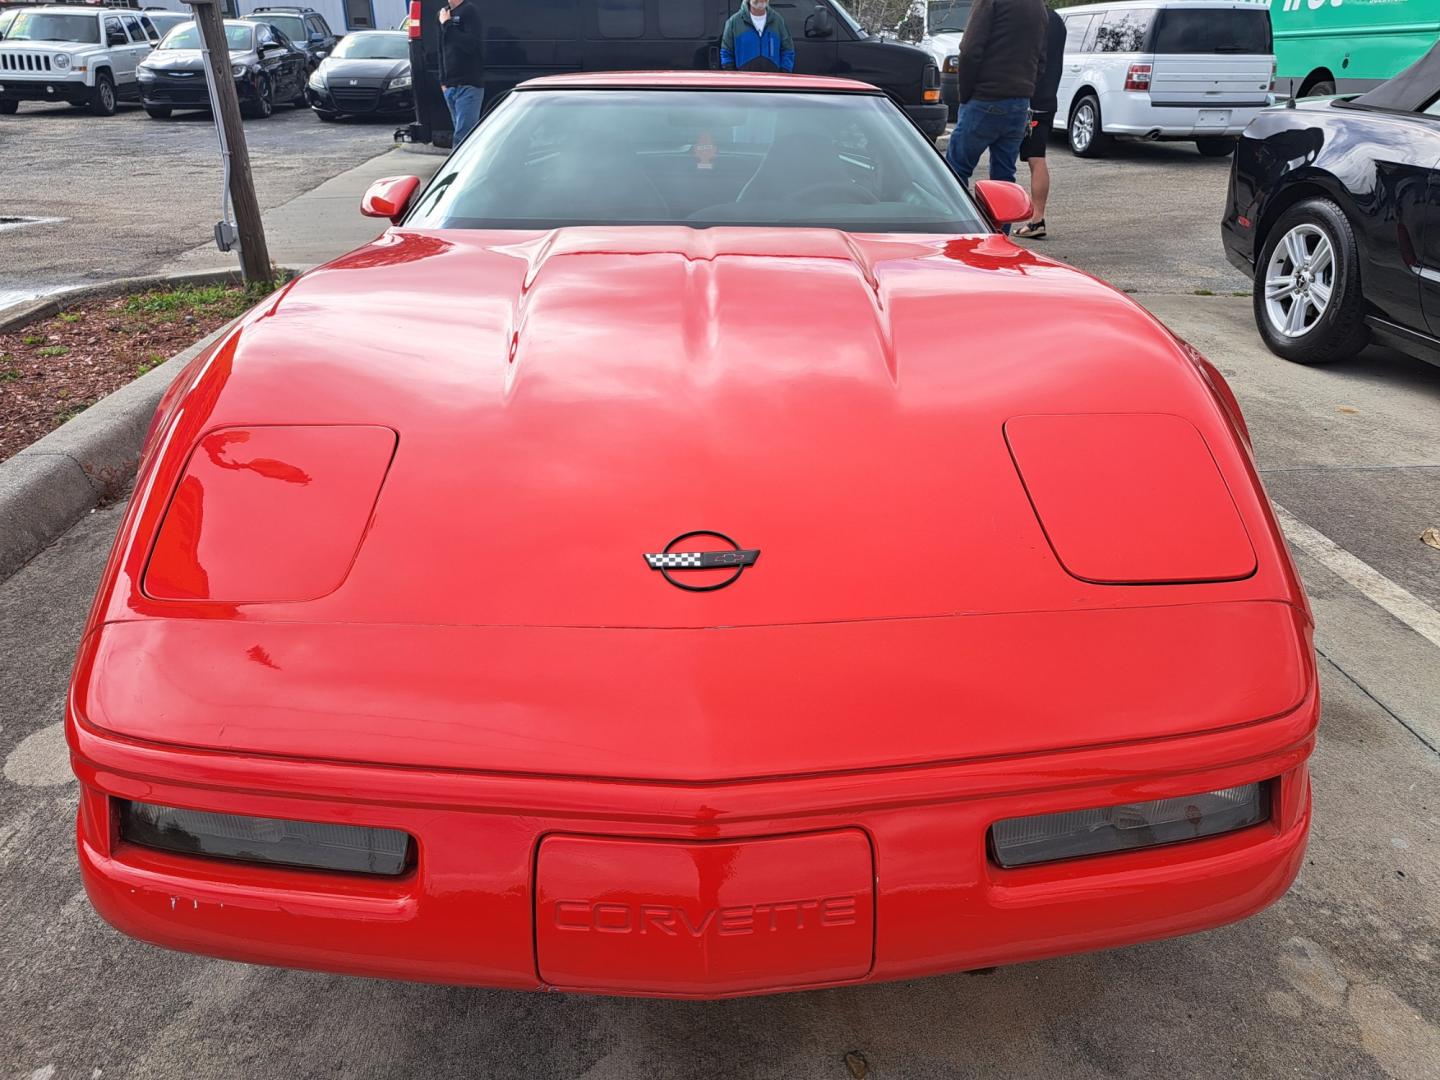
[
  {"x": 1318, "y": 186},
  {"x": 1319, "y": 75}
]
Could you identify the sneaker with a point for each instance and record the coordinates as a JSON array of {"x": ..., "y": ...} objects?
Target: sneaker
[{"x": 1034, "y": 230}]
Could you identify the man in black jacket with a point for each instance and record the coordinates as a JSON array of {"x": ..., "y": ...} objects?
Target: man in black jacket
[
  {"x": 1042, "y": 119},
  {"x": 462, "y": 64},
  {"x": 1001, "y": 57}
]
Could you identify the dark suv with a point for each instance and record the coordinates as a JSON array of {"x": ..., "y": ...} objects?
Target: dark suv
[
  {"x": 525, "y": 39},
  {"x": 304, "y": 26}
]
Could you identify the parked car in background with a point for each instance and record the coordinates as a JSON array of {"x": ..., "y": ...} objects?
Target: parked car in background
[
  {"x": 266, "y": 66},
  {"x": 81, "y": 55},
  {"x": 1179, "y": 69},
  {"x": 305, "y": 27},
  {"x": 368, "y": 74},
  {"x": 525, "y": 39},
  {"x": 1348, "y": 48},
  {"x": 944, "y": 29},
  {"x": 1333, "y": 211}
]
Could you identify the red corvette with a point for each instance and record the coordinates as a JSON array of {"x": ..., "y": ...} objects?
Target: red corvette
[{"x": 692, "y": 553}]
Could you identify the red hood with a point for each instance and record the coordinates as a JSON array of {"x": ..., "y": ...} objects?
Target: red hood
[{"x": 567, "y": 402}]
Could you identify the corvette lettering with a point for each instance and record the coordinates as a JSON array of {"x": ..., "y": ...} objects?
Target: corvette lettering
[{"x": 615, "y": 918}]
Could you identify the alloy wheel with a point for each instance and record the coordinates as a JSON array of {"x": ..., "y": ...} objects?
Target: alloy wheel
[
  {"x": 1083, "y": 128},
  {"x": 1299, "y": 280}
]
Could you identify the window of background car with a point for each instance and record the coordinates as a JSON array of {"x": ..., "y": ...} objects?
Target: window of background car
[
  {"x": 150, "y": 32},
  {"x": 1077, "y": 32},
  {"x": 114, "y": 32},
  {"x": 187, "y": 36},
  {"x": 134, "y": 29},
  {"x": 547, "y": 159},
  {"x": 682, "y": 19},
  {"x": 1125, "y": 31},
  {"x": 1223, "y": 31},
  {"x": 848, "y": 19},
  {"x": 42, "y": 26},
  {"x": 315, "y": 25},
  {"x": 620, "y": 18},
  {"x": 292, "y": 26},
  {"x": 947, "y": 15},
  {"x": 374, "y": 45}
]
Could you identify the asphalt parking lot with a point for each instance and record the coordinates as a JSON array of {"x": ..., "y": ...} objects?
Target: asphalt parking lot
[
  {"x": 124, "y": 195},
  {"x": 1339, "y": 979}
]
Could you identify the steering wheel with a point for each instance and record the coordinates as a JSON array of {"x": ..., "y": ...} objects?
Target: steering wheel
[{"x": 848, "y": 193}]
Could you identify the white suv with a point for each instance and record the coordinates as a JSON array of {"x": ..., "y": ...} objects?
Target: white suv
[
  {"x": 82, "y": 55},
  {"x": 1173, "y": 69}
]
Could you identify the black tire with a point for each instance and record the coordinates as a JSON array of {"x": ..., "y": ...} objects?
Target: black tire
[
  {"x": 264, "y": 103},
  {"x": 8, "y": 107},
  {"x": 1085, "y": 131},
  {"x": 102, "y": 97},
  {"x": 1323, "y": 88},
  {"x": 1339, "y": 333},
  {"x": 1215, "y": 146},
  {"x": 328, "y": 117},
  {"x": 158, "y": 112}
]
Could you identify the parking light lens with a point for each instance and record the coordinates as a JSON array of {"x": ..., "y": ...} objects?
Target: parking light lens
[
  {"x": 309, "y": 844},
  {"x": 1138, "y": 77},
  {"x": 1051, "y": 837}
]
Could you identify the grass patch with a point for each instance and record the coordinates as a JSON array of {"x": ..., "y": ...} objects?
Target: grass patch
[
  {"x": 69, "y": 412},
  {"x": 33, "y": 339},
  {"x": 10, "y": 374},
  {"x": 69, "y": 317},
  {"x": 1204, "y": 292},
  {"x": 226, "y": 301},
  {"x": 151, "y": 362},
  {"x": 53, "y": 350}
]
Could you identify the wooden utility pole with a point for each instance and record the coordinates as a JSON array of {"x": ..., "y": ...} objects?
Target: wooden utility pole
[{"x": 254, "y": 254}]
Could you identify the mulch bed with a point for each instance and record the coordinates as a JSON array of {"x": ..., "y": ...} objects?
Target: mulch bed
[{"x": 56, "y": 368}]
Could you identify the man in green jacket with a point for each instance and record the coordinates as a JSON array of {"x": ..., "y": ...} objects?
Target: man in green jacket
[{"x": 756, "y": 33}]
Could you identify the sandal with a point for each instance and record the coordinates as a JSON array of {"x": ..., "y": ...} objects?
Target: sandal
[{"x": 1034, "y": 230}]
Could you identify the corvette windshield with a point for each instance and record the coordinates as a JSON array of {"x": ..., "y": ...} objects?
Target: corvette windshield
[{"x": 698, "y": 158}]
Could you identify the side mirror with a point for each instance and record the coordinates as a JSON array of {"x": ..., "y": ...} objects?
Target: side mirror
[
  {"x": 1006, "y": 203},
  {"x": 320, "y": 54},
  {"x": 115, "y": 40},
  {"x": 389, "y": 197},
  {"x": 820, "y": 24}
]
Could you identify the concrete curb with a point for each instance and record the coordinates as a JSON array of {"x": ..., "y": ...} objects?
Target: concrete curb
[
  {"x": 19, "y": 315},
  {"x": 54, "y": 482}
]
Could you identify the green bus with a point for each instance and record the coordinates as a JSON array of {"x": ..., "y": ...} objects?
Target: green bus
[{"x": 1348, "y": 46}]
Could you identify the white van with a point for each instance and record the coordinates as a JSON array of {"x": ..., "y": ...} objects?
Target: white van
[{"x": 1164, "y": 69}]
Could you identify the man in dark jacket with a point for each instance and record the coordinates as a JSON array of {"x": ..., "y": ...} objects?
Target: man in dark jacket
[
  {"x": 1001, "y": 57},
  {"x": 1042, "y": 120},
  {"x": 462, "y": 64},
  {"x": 755, "y": 36}
]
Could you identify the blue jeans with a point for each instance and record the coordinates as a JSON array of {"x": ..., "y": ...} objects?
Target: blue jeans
[
  {"x": 464, "y": 104},
  {"x": 997, "y": 126}
]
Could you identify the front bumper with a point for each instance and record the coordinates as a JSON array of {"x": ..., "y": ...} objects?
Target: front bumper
[
  {"x": 70, "y": 90},
  {"x": 189, "y": 93},
  {"x": 932, "y": 119},
  {"x": 469, "y": 910},
  {"x": 361, "y": 101}
]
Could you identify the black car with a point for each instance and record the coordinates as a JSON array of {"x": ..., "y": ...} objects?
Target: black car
[
  {"x": 1334, "y": 211},
  {"x": 368, "y": 74},
  {"x": 525, "y": 39},
  {"x": 304, "y": 26},
  {"x": 266, "y": 67}
]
